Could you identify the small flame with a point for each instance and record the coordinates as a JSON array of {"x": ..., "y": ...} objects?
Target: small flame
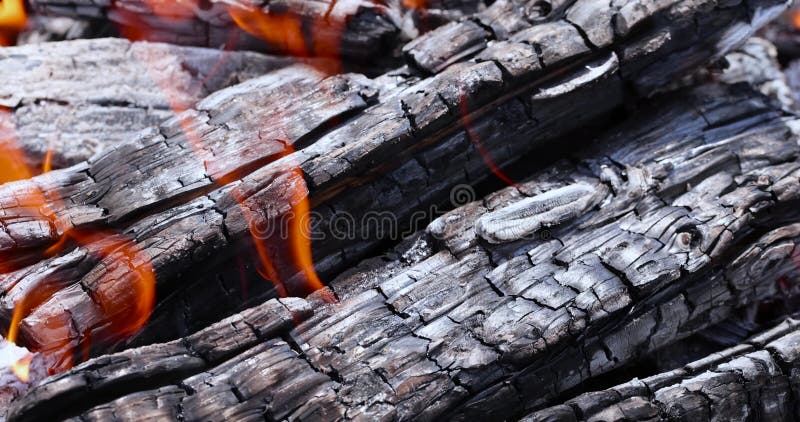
[
  {"x": 12, "y": 159},
  {"x": 22, "y": 368},
  {"x": 13, "y": 329},
  {"x": 12, "y": 21},
  {"x": 796, "y": 19},
  {"x": 284, "y": 252},
  {"x": 47, "y": 167},
  {"x": 127, "y": 305},
  {"x": 300, "y": 235},
  {"x": 466, "y": 120},
  {"x": 122, "y": 285},
  {"x": 293, "y": 34}
]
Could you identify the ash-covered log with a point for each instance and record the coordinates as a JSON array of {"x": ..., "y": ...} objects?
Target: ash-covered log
[
  {"x": 74, "y": 99},
  {"x": 664, "y": 227},
  {"x": 189, "y": 197}
]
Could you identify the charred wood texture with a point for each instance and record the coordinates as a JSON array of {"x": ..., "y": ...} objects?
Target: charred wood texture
[
  {"x": 190, "y": 191},
  {"x": 353, "y": 30},
  {"x": 754, "y": 380},
  {"x": 78, "y": 98},
  {"x": 161, "y": 364},
  {"x": 666, "y": 226}
]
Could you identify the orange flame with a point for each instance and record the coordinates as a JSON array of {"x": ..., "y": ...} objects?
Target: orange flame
[
  {"x": 12, "y": 159},
  {"x": 289, "y": 33},
  {"x": 20, "y": 368},
  {"x": 12, "y": 21},
  {"x": 284, "y": 32},
  {"x": 47, "y": 167},
  {"x": 128, "y": 304},
  {"x": 300, "y": 235},
  {"x": 122, "y": 285},
  {"x": 796, "y": 19},
  {"x": 13, "y": 329},
  {"x": 281, "y": 258}
]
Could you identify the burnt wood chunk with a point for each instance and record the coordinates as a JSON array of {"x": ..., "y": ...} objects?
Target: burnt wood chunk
[
  {"x": 756, "y": 379},
  {"x": 78, "y": 98},
  {"x": 192, "y": 192},
  {"x": 167, "y": 362}
]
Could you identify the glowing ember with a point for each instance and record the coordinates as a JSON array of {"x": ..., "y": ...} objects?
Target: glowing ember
[{"x": 12, "y": 21}]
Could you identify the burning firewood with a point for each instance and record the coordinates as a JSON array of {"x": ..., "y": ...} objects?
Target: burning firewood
[
  {"x": 162, "y": 258},
  {"x": 672, "y": 238},
  {"x": 157, "y": 221}
]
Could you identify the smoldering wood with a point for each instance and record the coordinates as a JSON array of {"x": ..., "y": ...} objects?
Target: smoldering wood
[
  {"x": 755, "y": 379},
  {"x": 355, "y": 137},
  {"x": 78, "y": 98},
  {"x": 367, "y": 31},
  {"x": 165, "y": 363},
  {"x": 700, "y": 196}
]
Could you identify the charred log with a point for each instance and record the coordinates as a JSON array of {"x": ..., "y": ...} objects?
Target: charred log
[
  {"x": 667, "y": 225},
  {"x": 51, "y": 101},
  {"x": 193, "y": 188}
]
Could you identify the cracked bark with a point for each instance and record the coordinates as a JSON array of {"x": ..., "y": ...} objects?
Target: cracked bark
[
  {"x": 223, "y": 156},
  {"x": 756, "y": 379},
  {"x": 51, "y": 102},
  {"x": 476, "y": 324},
  {"x": 183, "y": 189},
  {"x": 463, "y": 324}
]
